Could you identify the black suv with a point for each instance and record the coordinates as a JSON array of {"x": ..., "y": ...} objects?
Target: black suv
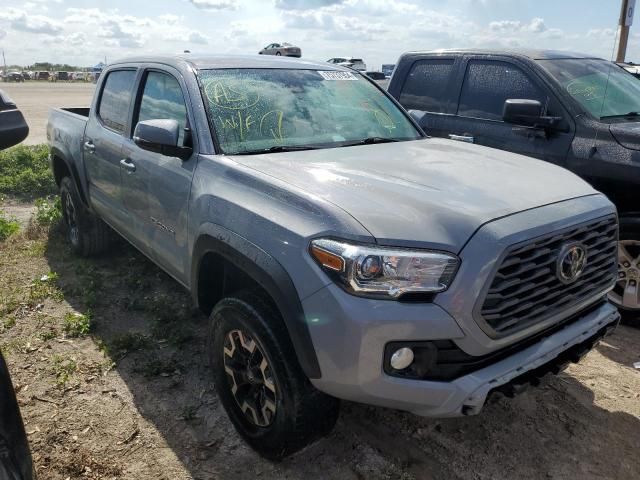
[{"x": 573, "y": 110}]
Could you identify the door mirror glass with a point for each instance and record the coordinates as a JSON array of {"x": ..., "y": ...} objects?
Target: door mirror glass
[
  {"x": 160, "y": 136},
  {"x": 13, "y": 127}
]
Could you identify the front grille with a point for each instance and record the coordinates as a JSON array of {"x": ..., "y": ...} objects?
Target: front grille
[{"x": 526, "y": 288}]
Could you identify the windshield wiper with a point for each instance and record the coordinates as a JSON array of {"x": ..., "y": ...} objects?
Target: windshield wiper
[
  {"x": 278, "y": 149},
  {"x": 370, "y": 141},
  {"x": 624, "y": 115}
]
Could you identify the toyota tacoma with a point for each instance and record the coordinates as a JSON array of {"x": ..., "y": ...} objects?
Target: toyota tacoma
[{"x": 338, "y": 252}]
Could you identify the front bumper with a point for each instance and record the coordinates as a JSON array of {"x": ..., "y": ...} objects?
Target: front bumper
[{"x": 352, "y": 365}]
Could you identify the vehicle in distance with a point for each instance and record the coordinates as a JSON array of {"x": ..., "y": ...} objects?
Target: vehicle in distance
[
  {"x": 42, "y": 76},
  {"x": 338, "y": 252},
  {"x": 387, "y": 69},
  {"x": 13, "y": 77},
  {"x": 578, "y": 112},
  {"x": 281, "y": 49},
  {"x": 349, "y": 62},
  {"x": 632, "y": 68}
]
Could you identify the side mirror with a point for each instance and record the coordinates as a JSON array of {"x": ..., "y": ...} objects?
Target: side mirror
[
  {"x": 160, "y": 136},
  {"x": 527, "y": 113},
  {"x": 13, "y": 127}
]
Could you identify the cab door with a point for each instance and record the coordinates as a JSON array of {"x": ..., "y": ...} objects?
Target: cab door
[
  {"x": 156, "y": 186},
  {"x": 488, "y": 82},
  {"x": 102, "y": 146}
]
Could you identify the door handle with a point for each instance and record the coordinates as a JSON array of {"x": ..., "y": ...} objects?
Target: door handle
[
  {"x": 461, "y": 138},
  {"x": 89, "y": 146},
  {"x": 128, "y": 165}
]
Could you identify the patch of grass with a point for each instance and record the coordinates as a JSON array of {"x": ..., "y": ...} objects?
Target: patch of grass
[
  {"x": 8, "y": 226},
  {"x": 25, "y": 172},
  {"x": 47, "y": 335},
  {"x": 172, "y": 323},
  {"x": 77, "y": 324},
  {"x": 48, "y": 211},
  {"x": 45, "y": 287},
  {"x": 63, "y": 368},
  {"x": 7, "y": 323}
]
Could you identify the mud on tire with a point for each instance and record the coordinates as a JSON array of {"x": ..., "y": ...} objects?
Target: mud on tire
[{"x": 269, "y": 400}]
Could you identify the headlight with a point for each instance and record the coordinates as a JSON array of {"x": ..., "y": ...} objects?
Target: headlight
[{"x": 384, "y": 272}]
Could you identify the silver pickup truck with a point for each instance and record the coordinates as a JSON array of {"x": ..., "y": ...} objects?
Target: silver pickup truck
[{"x": 338, "y": 251}]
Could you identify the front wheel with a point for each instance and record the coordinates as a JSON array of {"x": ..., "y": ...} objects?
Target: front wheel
[
  {"x": 626, "y": 293},
  {"x": 269, "y": 400},
  {"x": 87, "y": 234}
]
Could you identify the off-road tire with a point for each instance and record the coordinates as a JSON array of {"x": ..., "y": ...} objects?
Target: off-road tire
[
  {"x": 629, "y": 230},
  {"x": 86, "y": 233},
  {"x": 303, "y": 414}
]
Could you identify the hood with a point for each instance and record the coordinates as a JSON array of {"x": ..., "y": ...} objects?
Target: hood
[
  {"x": 431, "y": 192},
  {"x": 627, "y": 134}
]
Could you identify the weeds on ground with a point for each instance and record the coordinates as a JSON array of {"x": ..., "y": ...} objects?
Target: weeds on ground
[
  {"x": 8, "y": 226},
  {"x": 126, "y": 343},
  {"x": 77, "y": 324},
  {"x": 48, "y": 211},
  {"x": 25, "y": 172},
  {"x": 63, "y": 368},
  {"x": 157, "y": 366},
  {"x": 45, "y": 287}
]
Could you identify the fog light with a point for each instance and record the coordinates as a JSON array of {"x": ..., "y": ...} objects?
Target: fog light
[{"x": 401, "y": 358}]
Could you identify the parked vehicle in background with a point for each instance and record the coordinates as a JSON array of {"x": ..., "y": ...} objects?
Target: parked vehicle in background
[
  {"x": 387, "y": 69},
  {"x": 338, "y": 251},
  {"x": 26, "y": 75},
  {"x": 376, "y": 75},
  {"x": 632, "y": 68},
  {"x": 569, "y": 109},
  {"x": 349, "y": 62},
  {"x": 61, "y": 76},
  {"x": 43, "y": 76},
  {"x": 15, "y": 457},
  {"x": 13, "y": 77},
  {"x": 281, "y": 49}
]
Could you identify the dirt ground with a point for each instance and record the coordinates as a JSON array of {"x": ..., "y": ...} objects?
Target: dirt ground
[
  {"x": 35, "y": 99},
  {"x": 134, "y": 399}
]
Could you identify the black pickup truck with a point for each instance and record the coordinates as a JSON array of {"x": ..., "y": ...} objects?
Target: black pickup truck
[{"x": 576, "y": 111}]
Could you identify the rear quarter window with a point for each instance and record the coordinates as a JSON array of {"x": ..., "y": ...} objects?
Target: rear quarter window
[
  {"x": 426, "y": 85},
  {"x": 115, "y": 99}
]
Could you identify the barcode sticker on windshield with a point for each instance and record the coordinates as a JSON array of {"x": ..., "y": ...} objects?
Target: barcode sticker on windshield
[{"x": 335, "y": 75}]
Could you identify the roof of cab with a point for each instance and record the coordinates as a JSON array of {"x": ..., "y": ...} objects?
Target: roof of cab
[
  {"x": 527, "y": 53},
  {"x": 204, "y": 62}
]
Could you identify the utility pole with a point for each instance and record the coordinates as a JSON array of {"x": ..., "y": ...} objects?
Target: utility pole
[
  {"x": 4, "y": 60},
  {"x": 626, "y": 20}
]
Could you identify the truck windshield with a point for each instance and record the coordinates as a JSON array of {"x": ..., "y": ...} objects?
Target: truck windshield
[
  {"x": 602, "y": 88},
  {"x": 269, "y": 110}
]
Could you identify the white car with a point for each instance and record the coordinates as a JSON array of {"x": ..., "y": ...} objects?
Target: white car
[{"x": 350, "y": 62}]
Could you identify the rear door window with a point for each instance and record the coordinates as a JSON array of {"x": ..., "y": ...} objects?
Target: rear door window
[
  {"x": 426, "y": 86},
  {"x": 488, "y": 84},
  {"x": 116, "y": 98}
]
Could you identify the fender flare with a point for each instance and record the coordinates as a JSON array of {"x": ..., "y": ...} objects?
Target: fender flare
[
  {"x": 270, "y": 275},
  {"x": 55, "y": 152}
]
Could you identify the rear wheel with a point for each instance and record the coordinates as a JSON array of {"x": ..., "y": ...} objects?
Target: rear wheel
[
  {"x": 269, "y": 400},
  {"x": 278, "y": 54},
  {"x": 626, "y": 293},
  {"x": 87, "y": 234}
]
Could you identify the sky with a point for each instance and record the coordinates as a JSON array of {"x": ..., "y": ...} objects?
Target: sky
[{"x": 85, "y": 32}]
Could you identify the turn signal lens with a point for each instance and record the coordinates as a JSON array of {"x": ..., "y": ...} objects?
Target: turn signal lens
[{"x": 327, "y": 259}]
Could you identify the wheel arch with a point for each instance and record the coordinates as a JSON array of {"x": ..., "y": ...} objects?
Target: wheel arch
[
  {"x": 61, "y": 168},
  {"x": 220, "y": 255}
]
